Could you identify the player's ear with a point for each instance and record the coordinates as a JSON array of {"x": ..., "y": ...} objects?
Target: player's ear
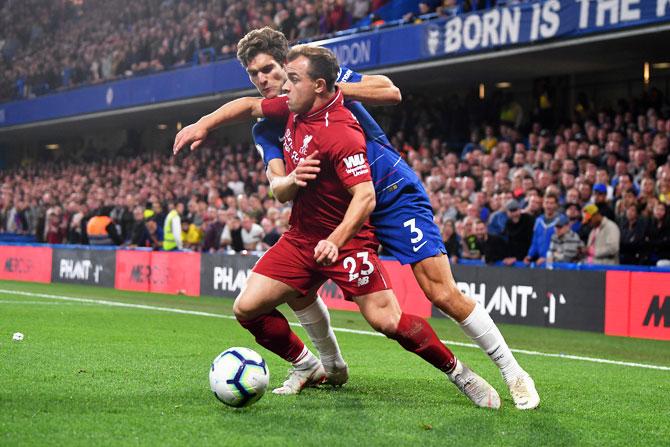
[{"x": 320, "y": 86}]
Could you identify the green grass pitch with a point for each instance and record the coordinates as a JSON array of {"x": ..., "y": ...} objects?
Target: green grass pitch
[{"x": 93, "y": 374}]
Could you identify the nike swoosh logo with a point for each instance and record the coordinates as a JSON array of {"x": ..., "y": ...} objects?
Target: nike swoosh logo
[
  {"x": 419, "y": 247},
  {"x": 281, "y": 139}
]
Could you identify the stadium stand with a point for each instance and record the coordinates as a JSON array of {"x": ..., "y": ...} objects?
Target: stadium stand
[
  {"x": 47, "y": 46},
  {"x": 50, "y": 46},
  {"x": 617, "y": 159}
]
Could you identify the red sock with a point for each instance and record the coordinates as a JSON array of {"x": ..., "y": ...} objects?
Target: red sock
[
  {"x": 417, "y": 336},
  {"x": 273, "y": 333}
]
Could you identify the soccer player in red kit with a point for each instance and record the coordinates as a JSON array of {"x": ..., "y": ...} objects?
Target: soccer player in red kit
[{"x": 330, "y": 236}]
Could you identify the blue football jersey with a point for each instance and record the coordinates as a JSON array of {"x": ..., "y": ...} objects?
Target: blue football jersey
[{"x": 268, "y": 137}]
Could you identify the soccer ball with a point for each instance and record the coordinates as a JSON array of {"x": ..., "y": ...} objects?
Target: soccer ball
[{"x": 239, "y": 377}]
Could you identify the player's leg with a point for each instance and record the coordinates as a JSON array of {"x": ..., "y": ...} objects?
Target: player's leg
[
  {"x": 436, "y": 280},
  {"x": 408, "y": 232},
  {"x": 277, "y": 277},
  {"x": 315, "y": 319},
  {"x": 382, "y": 311},
  {"x": 360, "y": 274}
]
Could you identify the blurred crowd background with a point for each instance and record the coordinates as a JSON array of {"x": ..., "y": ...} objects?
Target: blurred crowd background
[
  {"x": 47, "y": 46},
  {"x": 508, "y": 183},
  {"x": 514, "y": 192}
]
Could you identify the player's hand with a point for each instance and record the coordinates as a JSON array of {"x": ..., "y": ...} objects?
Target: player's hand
[
  {"x": 325, "y": 252},
  {"x": 306, "y": 170},
  {"x": 193, "y": 134}
]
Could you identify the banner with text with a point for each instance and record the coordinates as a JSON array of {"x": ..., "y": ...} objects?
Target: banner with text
[
  {"x": 224, "y": 275},
  {"x": 537, "y": 21},
  {"x": 133, "y": 270},
  {"x": 158, "y": 271},
  {"x": 18, "y": 263},
  {"x": 175, "y": 273},
  {"x": 638, "y": 305},
  {"x": 536, "y": 297},
  {"x": 76, "y": 266}
]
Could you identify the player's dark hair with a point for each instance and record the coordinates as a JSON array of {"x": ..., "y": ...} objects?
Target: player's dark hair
[
  {"x": 322, "y": 63},
  {"x": 264, "y": 40}
]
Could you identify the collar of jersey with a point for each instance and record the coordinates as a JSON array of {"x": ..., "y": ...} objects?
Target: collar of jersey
[{"x": 335, "y": 99}]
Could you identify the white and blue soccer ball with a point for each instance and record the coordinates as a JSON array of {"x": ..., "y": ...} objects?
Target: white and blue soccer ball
[{"x": 239, "y": 377}]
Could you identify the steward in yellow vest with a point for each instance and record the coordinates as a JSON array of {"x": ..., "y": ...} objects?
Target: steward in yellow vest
[{"x": 172, "y": 228}]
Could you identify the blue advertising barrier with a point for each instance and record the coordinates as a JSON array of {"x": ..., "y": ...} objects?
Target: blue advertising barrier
[
  {"x": 480, "y": 31},
  {"x": 161, "y": 87}
]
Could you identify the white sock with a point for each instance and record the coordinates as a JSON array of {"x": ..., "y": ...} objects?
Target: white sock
[
  {"x": 305, "y": 360},
  {"x": 316, "y": 321},
  {"x": 457, "y": 370},
  {"x": 482, "y": 330}
]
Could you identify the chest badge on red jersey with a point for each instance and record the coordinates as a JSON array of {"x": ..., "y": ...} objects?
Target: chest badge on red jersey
[{"x": 305, "y": 142}]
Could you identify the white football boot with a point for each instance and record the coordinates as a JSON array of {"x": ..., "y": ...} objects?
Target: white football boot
[
  {"x": 474, "y": 387},
  {"x": 524, "y": 393},
  {"x": 336, "y": 375},
  {"x": 301, "y": 377}
]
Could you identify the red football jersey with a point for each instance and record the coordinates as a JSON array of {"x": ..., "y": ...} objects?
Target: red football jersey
[{"x": 332, "y": 130}]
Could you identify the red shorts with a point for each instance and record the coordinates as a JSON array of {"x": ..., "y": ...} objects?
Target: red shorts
[{"x": 357, "y": 270}]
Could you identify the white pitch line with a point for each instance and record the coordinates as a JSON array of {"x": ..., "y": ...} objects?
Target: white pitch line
[
  {"x": 33, "y": 302},
  {"x": 346, "y": 330}
]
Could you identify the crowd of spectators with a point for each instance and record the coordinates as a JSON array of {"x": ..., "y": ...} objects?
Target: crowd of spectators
[
  {"x": 595, "y": 189},
  {"x": 46, "y": 46},
  {"x": 62, "y": 43}
]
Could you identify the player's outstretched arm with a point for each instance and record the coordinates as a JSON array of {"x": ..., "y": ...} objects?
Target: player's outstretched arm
[
  {"x": 361, "y": 206},
  {"x": 285, "y": 187},
  {"x": 238, "y": 110},
  {"x": 374, "y": 90}
]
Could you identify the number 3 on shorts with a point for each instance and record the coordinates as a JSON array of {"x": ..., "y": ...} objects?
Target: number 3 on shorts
[
  {"x": 351, "y": 264},
  {"x": 416, "y": 231}
]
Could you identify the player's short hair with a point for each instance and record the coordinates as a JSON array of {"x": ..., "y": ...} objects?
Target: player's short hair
[
  {"x": 264, "y": 40},
  {"x": 322, "y": 63}
]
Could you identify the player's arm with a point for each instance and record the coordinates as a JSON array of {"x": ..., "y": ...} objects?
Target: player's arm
[
  {"x": 361, "y": 206},
  {"x": 238, "y": 110},
  {"x": 374, "y": 90},
  {"x": 285, "y": 187}
]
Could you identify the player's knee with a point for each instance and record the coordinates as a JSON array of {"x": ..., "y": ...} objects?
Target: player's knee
[
  {"x": 445, "y": 296},
  {"x": 242, "y": 310},
  {"x": 388, "y": 329},
  {"x": 387, "y": 326}
]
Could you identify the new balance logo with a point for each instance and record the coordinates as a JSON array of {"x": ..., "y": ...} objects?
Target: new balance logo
[
  {"x": 658, "y": 311},
  {"x": 354, "y": 161}
]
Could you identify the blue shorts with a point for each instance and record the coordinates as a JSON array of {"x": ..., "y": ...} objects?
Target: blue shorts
[{"x": 406, "y": 228}]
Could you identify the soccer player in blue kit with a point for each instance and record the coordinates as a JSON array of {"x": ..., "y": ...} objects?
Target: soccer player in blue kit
[{"x": 403, "y": 216}]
